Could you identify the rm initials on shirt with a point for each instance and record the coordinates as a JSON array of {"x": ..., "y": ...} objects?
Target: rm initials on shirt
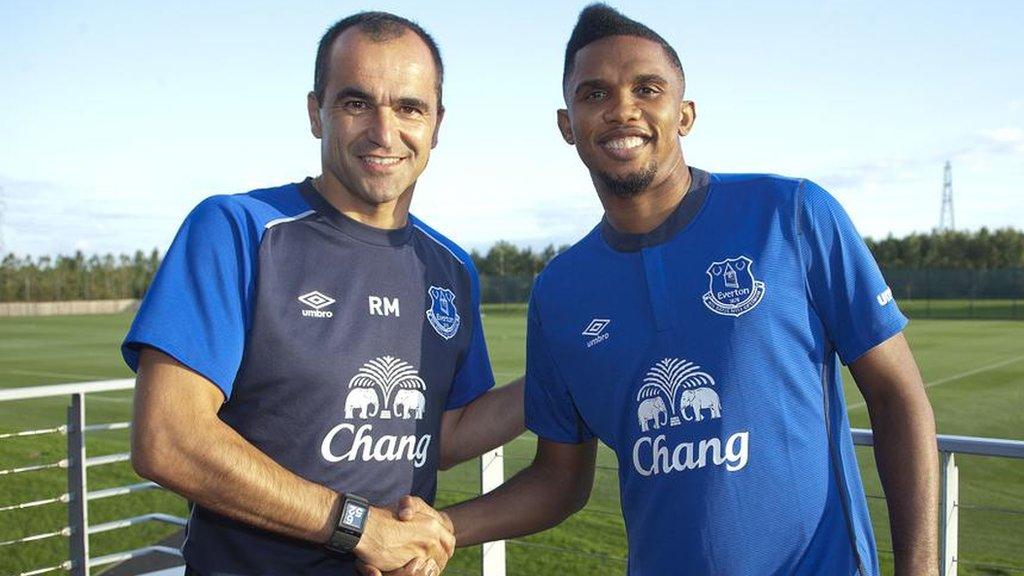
[{"x": 383, "y": 306}]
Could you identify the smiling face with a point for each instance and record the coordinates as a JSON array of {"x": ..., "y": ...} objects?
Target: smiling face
[
  {"x": 378, "y": 119},
  {"x": 625, "y": 115}
]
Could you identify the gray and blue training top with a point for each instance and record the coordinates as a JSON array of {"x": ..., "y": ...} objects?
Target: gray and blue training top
[{"x": 337, "y": 346}]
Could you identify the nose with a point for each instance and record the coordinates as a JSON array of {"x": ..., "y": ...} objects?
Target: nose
[
  {"x": 622, "y": 109},
  {"x": 381, "y": 127}
]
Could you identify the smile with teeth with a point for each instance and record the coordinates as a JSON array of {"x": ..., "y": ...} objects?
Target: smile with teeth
[
  {"x": 381, "y": 160},
  {"x": 625, "y": 143}
]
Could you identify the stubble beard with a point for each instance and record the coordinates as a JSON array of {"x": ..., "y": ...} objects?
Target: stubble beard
[{"x": 630, "y": 185}]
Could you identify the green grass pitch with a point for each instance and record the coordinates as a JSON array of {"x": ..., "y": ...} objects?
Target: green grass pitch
[{"x": 974, "y": 370}]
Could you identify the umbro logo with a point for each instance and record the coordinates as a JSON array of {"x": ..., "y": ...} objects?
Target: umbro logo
[
  {"x": 884, "y": 297},
  {"x": 596, "y": 331},
  {"x": 596, "y": 326},
  {"x": 317, "y": 301}
]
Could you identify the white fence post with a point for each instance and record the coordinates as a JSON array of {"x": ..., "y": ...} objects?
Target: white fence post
[
  {"x": 78, "y": 507},
  {"x": 492, "y": 475},
  {"x": 949, "y": 511}
]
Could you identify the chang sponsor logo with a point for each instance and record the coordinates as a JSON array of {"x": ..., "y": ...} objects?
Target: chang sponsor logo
[
  {"x": 384, "y": 388},
  {"x": 676, "y": 392}
]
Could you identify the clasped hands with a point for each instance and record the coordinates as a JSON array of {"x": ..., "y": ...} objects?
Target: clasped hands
[{"x": 412, "y": 539}]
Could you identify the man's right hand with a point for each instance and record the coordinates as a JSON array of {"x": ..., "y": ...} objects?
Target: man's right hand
[{"x": 389, "y": 542}]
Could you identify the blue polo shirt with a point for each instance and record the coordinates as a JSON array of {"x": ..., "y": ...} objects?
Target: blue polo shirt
[
  {"x": 337, "y": 347},
  {"x": 706, "y": 355}
]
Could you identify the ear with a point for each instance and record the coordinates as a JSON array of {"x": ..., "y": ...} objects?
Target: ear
[
  {"x": 687, "y": 116},
  {"x": 437, "y": 126},
  {"x": 313, "y": 108},
  {"x": 565, "y": 127}
]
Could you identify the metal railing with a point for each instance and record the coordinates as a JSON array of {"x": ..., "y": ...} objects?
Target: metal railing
[
  {"x": 78, "y": 496},
  {"x": 492, "y": 469}
]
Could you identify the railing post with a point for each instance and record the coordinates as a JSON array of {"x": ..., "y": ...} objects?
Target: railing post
[
  {"x": 492, "y": 474},
  {"x": 78, "y": 508},
  {"x": 949, "y": 511}
]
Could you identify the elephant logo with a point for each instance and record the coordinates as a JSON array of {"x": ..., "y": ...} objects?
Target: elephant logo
[
  {"x": 409, "y": 404},
  {"x": 699, "y": 399},
  {"x": 392, "y": 380},
  {"x": 732, "y": 288},
  {"x": 365, "y": 400},
  {"x": 443, "y": 315},
  {"x": 652, "y": 410},
  {"x": 670, "y": 387}
]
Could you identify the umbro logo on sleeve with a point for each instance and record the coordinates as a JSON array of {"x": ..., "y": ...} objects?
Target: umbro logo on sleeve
[{"x": 884, "y": 297}]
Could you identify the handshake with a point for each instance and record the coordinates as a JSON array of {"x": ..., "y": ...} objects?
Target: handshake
[{"x": 411, "y": 539}]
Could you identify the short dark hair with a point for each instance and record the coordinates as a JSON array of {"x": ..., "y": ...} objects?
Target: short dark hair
[
  {"x": 598, "y": 21},
  {"x": 380, "y": 27}
]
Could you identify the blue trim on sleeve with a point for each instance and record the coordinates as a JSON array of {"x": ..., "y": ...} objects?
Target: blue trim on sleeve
[
  {"x": 199, "y": 306},
  {"x": 844, "y": 283}
]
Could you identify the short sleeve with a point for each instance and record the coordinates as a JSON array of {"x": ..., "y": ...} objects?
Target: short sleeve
[
  {"x": 550, "y": 410},
  {"x": 198, "y": 306},
  {"x": 846, "y": 286},
  {"x": 474, "y": 376}
]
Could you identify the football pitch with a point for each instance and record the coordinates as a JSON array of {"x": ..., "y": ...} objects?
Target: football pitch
[{"x": 973, "y": 369}]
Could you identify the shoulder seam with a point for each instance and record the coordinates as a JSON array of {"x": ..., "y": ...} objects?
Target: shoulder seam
[
  {"x": 438, "y": 242},
  {"x": 277, "y": 221}
]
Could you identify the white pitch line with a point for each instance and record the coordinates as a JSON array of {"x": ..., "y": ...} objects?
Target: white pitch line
[
  {"x": 947, "y": 379},
  {"x": 82, "y": 377}
]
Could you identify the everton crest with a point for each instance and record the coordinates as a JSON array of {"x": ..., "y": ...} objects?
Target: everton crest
[
  {"x": 442, "y": 313},
  {"x": 733, "y": 290}
]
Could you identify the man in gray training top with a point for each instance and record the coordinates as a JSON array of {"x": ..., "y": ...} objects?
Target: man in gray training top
[{"x": 309, "y": 354}]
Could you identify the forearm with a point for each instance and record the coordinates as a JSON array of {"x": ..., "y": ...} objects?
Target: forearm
[
  {"x": 486, "y": 423},
  {"x": 179, "y": 441},
  {"x": 538, "y": 497},
  {"x": 210, "y": 464},
  {"x": 907, "y": 459}
]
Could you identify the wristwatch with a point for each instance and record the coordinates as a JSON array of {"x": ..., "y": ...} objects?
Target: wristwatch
[{"x": 349, "y": 527}]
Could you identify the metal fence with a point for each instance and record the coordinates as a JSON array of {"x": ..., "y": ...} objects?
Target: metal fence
[
  {"x": 492, "y": 466},
  {"x": 940, "y": 294},
  {"x": 953, "y": 294}
]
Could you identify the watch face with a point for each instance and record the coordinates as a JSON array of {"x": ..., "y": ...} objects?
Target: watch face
[{"x": 354, "y": 516}]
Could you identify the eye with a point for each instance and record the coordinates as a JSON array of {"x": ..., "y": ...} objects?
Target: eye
[
  {"x": 595, "y": 96},
  {"x": 355, "y": 105},
  {"x": 648, "y": 90},
  {"x": 409, "y": 110}
]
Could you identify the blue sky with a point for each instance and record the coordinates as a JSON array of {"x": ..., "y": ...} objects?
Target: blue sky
[{"x": 116, "y": 118}]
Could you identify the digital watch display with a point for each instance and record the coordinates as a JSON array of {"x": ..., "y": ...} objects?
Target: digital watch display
[{"x": 349, "y": 527}]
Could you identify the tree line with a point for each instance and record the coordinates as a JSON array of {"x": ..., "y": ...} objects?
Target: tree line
[
  {"x": 79, "y": 277},
  {"x": 983, "y": 249},
  {"x": 76, "y": 277}
]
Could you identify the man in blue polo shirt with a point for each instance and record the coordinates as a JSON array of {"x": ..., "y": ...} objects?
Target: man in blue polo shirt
[
  {"x": 697, "y": 331},
  {"x": 309, "y": 354}
]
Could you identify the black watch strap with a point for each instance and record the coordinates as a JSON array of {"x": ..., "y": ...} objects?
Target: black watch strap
[{"x": 349, "y": 526}]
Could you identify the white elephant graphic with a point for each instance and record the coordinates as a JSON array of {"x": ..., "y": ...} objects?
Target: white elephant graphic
[
  {"x": 409, "y": 404},
  {"x": 700, "y": 399},
  {"x": 654, "y": 410},
  {"x": 362, "y": 399}
]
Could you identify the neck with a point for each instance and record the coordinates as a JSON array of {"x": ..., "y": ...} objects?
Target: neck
[
  {"x": 647, "y": 210},
  {"x": 386, "y": 215}
]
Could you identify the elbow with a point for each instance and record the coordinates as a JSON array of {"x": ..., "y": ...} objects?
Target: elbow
[
  {"x": 579, "y": 498},
  {"x": 447, "y": 460},
  {"x": 153, "y": 458}
]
